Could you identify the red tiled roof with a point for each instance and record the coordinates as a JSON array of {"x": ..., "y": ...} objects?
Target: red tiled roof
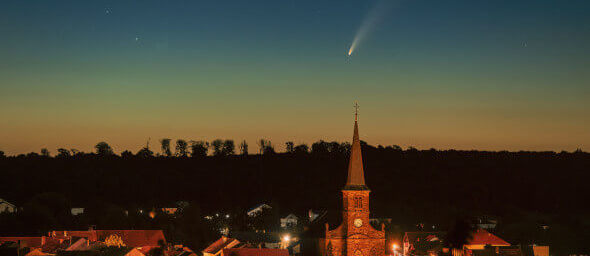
[
  {"x": 52, "y": 244},
  {"x": 484, "y": 237},
  {"x": 131, "y": 238},
  {"x": 90, "y": 235},
  {"x": 218, "y": 245},
  {"x": 35, "y": 242},
  {"x": 254, "y": 252},
  {"x": 134, "y": 238}
]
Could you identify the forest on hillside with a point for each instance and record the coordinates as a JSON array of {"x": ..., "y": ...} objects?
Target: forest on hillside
[{"x": 523, "y": 190}]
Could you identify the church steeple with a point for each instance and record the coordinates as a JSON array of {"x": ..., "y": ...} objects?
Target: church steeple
[{"x": 356, "y": 176}]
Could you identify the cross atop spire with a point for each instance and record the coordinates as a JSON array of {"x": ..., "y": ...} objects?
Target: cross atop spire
[{"x": 356, "y": 175}]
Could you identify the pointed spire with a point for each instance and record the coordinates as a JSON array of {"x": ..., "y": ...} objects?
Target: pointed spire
[{"x": 356, "y": 176}]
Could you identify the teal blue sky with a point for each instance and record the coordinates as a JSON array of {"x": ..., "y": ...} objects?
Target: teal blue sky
[{"x": 488, "y": 75}]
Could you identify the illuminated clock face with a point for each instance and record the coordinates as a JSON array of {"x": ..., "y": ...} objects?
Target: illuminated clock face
[{"x": 358, "y": 223}]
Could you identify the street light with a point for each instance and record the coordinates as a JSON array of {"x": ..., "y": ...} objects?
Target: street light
[
  {"x": 286, "y": 238},
  {"x": 394, "y": 248}
]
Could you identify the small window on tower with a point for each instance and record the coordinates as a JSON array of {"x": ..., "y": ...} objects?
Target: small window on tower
[{"x": 358, "y": 202}]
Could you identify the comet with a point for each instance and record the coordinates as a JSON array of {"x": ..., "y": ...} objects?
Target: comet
[{"x": 372, "y": 20}]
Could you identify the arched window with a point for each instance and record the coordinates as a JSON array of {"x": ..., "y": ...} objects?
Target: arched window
[{"x": 358, "y": 202}]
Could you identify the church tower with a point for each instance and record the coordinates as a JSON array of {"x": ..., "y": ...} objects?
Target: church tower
[{"x": 355, "y": 236}]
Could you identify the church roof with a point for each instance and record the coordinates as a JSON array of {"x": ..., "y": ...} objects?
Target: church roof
[
  {"x": 356, "y": 176},
  {"x": 483, "y": 237}
]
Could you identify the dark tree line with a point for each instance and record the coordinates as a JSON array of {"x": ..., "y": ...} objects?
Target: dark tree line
[{"x": 524, "y": 190}]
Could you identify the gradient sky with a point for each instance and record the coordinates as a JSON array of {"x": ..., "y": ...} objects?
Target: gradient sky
[{"x": 463, "y": 74}]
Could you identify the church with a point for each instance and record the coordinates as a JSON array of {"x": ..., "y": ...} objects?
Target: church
[{"x": 355, "y": 236}]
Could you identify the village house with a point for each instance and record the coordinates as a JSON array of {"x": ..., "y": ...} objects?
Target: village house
[
  {"x": 5, "y": 206},
  {"x": 289, "y": 221},
  {"x": 222, "y": 243},
  {"x": 258, "y": 209},
  {"x": 142, "y": 240},
  {"x": 422, "y": 243}
]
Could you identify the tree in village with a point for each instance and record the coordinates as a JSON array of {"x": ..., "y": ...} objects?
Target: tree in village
[
  {"x": 114, "y": 241},
  {"x": 217, "y": 147},
  {"x": 44, "y": 152},
  {"x": 268, "y": 149},
  {"x": 165, "y": 145},
  {"x": 199, "y": 148},
  {"x": 228, "y": 148},
  {"x": 181, "y": 148},
  {"x": 290, "y": 147},
  {"x": 63, "y": 153},
  {"x": 103, "y": 149},
  {"x": 76, "y": 152},
  {"x": 126, "y": 154},
  {"x": 301, "y": 149},
  {"x": 145, "y": 152},
  {"x": 459, "y": 234},
  {"x": 265, "y": 147},
  {"x": 244, "y": 148}
]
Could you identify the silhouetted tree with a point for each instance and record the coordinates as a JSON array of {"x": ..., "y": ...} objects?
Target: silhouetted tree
[
  {"x": 459, "y": 234},
  {"x": 217, "y": 147},
  {"x": 269, "y": 149},
  {"x": 181, "y": 148},
  {"x": 145, "y": 152},
  {"x": 166, "y": 147},
  {"x": 126, "y": 154},
  {"x": 44, "y": 152},
  {"x": 2, "y": 154},
  {"x": 194, "y": 230},
  {"x": 301, "y": 149},
  {"x": 244, "y": 148},
  {"x": 103, "y": 149},
  {"x": 63, "y": 153},
  {"x": 199, "y": 148},
  {"x": 47, "y": 211},
  {"x": 32, "y": 155},
  {"x": 320, "y": 148},
  {"x": 75, "y": 152},
  {"x": 290, "y": 147},
  {"x": 262, "y": 144},
  {"x": 228, "y": 148},
  {"x": 158, "y": 251}
]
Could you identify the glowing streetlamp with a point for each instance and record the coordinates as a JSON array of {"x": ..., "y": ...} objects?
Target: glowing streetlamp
[
  {"x": 286, "y": 238},
  {"x": 394, "y": 248}
]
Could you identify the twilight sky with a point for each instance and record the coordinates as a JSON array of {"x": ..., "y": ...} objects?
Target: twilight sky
[{"x": 464, "y": 74}]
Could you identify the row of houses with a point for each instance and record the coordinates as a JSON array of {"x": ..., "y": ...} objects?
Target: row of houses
[
  {"x": 129, "y": 242},
  {"x": 481, "y": 243},
  {"x": 226, "y": 246}
]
